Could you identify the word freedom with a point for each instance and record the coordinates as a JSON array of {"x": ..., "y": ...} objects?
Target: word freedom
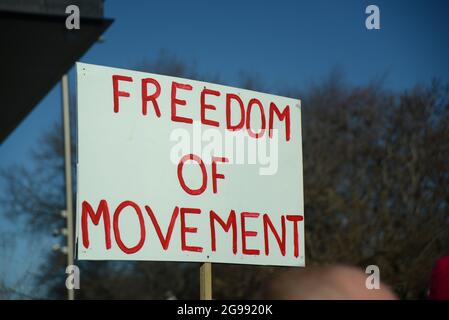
[
  {"x": 234, "y": 223},
  {"x": 230, "y": 100}
]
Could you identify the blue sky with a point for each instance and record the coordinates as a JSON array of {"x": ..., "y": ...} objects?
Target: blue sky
[{"x": 284, "y": 43}]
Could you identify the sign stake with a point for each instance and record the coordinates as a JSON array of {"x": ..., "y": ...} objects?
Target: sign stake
[{"x": 206, "y": 281}]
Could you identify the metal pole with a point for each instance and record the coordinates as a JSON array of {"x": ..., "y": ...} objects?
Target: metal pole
[
  {"x": 206, "y": 281},
  {"x": 68, "y": 174}
]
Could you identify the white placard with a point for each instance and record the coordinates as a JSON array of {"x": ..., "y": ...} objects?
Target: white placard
[{"x": 173, "y": 169}]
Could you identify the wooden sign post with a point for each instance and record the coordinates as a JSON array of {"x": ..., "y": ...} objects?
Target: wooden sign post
[{"x": 206, "y": 281}]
